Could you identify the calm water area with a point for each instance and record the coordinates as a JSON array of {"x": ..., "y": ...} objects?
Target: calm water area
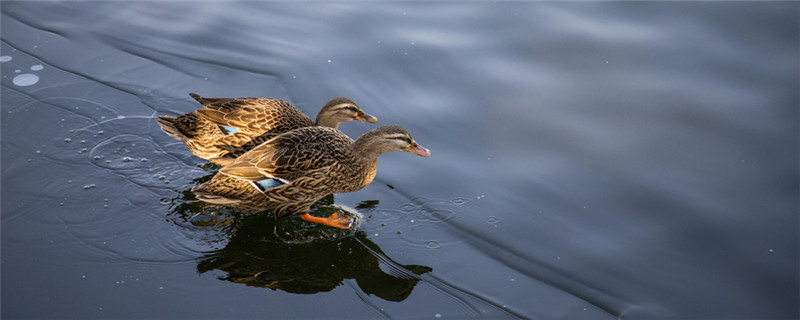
[{"x": 634, "y": 160}]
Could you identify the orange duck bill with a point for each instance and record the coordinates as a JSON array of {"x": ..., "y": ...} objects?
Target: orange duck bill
[
  {"x": 366, "y": 118},
  {"x": 418, "y": 150}
]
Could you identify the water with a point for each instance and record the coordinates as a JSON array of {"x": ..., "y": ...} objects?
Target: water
[{"x": 590, "y": 160}]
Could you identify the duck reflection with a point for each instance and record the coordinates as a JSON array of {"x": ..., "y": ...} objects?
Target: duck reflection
[{"x": 296, "y": 256}]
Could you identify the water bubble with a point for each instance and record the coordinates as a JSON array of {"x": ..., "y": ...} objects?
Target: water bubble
[
  {"x": 143, "y": 160},
  {"x": 83, "y": 141},
  {"x": 438, "y": 315},
  {"x": 89, "y": 186},
  {"x": 5, "y": 58},
  {"x": 329, "y": 60},
  {"x": 37, "y": 67},
  {"x": 101, "y": 132},
  {"x": 165, "y": 201},
  {"x": 98, "y": 157},
  {"x": 67, "y": 140},
  {"x": 120, "y": 117},
  {"x": 17, "y": 71},
  {"x": 26, "y": 79},
  {"x": 127, "y": 159}
]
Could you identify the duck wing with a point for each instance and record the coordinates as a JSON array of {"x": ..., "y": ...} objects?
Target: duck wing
[
  {"x": 255, "y": 115},
  {"x": 292, "y": 155}
]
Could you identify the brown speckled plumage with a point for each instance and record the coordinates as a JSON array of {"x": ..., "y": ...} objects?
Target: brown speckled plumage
[
  {"x": 256, "y": 119},
  {"x": 197, "y": 133},
  {"x": 313, "y": 161}
]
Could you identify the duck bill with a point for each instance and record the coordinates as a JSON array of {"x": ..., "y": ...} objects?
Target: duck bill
[
  {"x": 418, "y": 150},
  {"x": 367, "y": 118}
]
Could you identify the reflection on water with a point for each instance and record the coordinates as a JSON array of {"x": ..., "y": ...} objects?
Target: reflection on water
[
  {"x": 293, "y": 255},
  {"x": 254, "y": 256}
]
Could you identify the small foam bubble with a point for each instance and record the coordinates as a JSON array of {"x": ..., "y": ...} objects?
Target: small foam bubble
[
  {"x": 26, "y": 79},
  {"x": 37, "y": 67}
]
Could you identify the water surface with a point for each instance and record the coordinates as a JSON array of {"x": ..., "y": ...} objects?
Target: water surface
[{"x": 590, "y": 160}]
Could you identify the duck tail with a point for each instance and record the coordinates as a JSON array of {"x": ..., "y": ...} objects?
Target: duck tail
[
  {"x": 206, "y": 101},
  {"x": 197, "y": 97},
  {"x": 203, "y": 193},
  {"x": 167, "y": 124}
]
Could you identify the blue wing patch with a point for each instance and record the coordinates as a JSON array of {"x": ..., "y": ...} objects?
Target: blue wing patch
[
  {"x": 228, "y": 130},
  {"x": 263, "y": 185}
]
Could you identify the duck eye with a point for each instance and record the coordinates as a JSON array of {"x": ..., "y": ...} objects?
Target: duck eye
[{"x": 351, "y": 108}]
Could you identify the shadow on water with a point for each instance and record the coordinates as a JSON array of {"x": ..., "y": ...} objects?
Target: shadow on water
[{"x": 292, "y": 255}]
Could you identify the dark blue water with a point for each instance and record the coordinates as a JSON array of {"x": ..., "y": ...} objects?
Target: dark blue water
[{"x": 590, "y": 160}]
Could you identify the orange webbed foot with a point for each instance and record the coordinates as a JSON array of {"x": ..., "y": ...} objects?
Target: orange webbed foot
[{"x": 335, "y": 220}]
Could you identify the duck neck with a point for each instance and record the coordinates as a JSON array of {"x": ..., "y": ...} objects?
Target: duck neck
[
  {"x": 324, "y": 121},
  {"x": 365, "y": 149}
]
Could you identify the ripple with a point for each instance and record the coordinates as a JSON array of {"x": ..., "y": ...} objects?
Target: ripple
[
  {"x": 460, "y": 201},
  {"x": 408, "y": 207},
  {"x": 26, "y": 79},
  {"x": 136, "y": 158},
  {"x": 493, "y": 220},
  {"x": 433, "y": 244}
]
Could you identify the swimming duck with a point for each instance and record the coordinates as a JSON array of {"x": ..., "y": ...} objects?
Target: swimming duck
[
  {"x": 290, "y": 172},
  {"x": 227, "y": 127}
]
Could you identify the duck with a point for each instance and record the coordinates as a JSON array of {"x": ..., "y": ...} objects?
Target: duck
[
  {"x": 290, "y": 172},
  {"x": 225, "y": 128}
]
